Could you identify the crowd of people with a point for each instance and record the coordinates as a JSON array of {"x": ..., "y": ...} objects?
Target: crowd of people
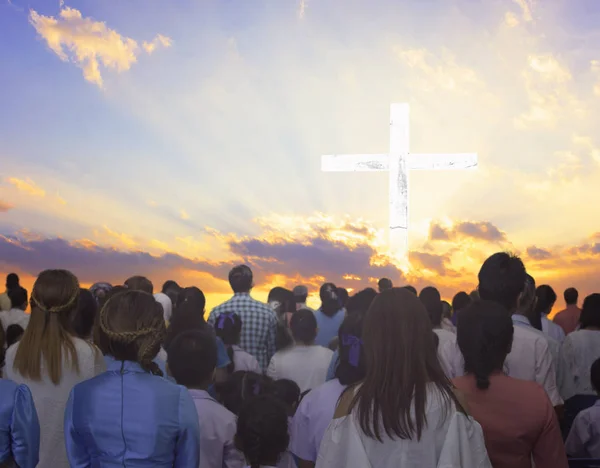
[{"x": 127, "y": 376}]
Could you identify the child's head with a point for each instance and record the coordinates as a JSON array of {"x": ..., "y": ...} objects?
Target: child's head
[
  {"x": 304, "y": 327},
  {"x": 262, "y": 431},
  {"x": 595, "y": 375},
  {"x": 288, "y": 392},
  {"x": 242, "y": 386},
  {"x": 192, "y": 358},
  {"x": 228, "y": 327}
]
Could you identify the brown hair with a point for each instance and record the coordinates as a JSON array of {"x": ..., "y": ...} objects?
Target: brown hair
[
  {"x": 131, "y": 327},
  {"x": 53, "y": 299},
  {"x": 401, "y": 361},
  {"x": 140, "y": 283}
]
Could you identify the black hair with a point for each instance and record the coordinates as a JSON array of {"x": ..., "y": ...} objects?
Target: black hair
[
  {"x": 18, "y": 297},
  {"x": 343, "y": 296},
  {"x": 546, "y": 297},
  {"x": 385, "y": 283},
  {"x": 84, "y": 316},
  {"x": 361, "y": 301},
  {"x": 432, "y": 300},
  {"x": 590, "y": 312},
  {"x": 172, "y": 290},
  {"x": 351, "y": 365},
  {"x": 192, "y": 358},
  {"x": 330, "y": 301},
  {"x": 14, "y": 333},
  {"x": 412, "y": 289},
  {"x": 139, "y": 283},
  {"x": 436, "y": 340},
  {"x": 571, "y": 296},
  {"x": 229, "y": 327},
  {"x": 242, "y": 386},
  {"x": 262, "y": 431},
  {"x": 502, "y": 279},
  {"x": 595, "y": 375},
  {"x": 304, "y": 326},
  {"x": 284, "y": 297},
  {"x": 191, "y": 297},
  {"x": 186, "y": 317},
  {"x": 460, "y": 301},
  {"x": 484, "y": 335},
  {"x": 240, "y": 279},
  {"x": 288, "y": 392},
  {"x": 12, "y": 281}
]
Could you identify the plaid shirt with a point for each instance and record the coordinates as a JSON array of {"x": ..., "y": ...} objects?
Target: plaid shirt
[{"x": 259, "y": 325}]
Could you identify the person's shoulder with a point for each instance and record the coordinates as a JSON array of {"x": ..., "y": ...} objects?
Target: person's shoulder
[
  {"x": 325, "y": 352},
  {"x": 8, "y": 387}
]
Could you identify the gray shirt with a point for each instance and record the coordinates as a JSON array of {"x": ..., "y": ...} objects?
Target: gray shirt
[{"x": 50, "y": 400}]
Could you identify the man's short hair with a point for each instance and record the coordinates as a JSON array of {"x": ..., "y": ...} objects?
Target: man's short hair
[
  {"x": 384, "y": 284},
  {"x": 571, "y": 296},
  {"x": 502, "y": 279},
  {"x": 192, "y": 357},
  {"x": 300, "y": 294},
  {"x": 140, "y": 283},
  {"x": 240, "y": 279},
  {"x": 18, "y": 297}
]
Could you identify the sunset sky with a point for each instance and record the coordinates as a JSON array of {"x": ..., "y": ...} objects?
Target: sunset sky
[{"x": 176, "y": 139}]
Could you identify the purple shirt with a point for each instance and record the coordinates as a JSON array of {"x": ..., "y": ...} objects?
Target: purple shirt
[
  {"x": 584, "y": 438},
  {"x": 312, "y": 419},
  {"x": 217, "y": 431}
]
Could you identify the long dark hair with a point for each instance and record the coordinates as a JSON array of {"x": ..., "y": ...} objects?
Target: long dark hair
[
  {"x": 484, "y": 336},
  {"x": 401, "y": 361},
  {"x": 351, "y": 367},
  {"x": 590, "y": 312},
  {"x": 229, "y": 327},
  {"x": 546, "y": 297},
  {"x": 330, "y": 300}
]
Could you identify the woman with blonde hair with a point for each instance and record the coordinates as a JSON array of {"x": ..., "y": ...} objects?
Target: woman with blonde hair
[
  {"x": 50, "y": 360},
  {"x": 129, "y": 415}
]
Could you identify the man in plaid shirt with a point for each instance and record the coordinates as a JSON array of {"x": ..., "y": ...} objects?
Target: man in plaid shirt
[{"x": 259, "y": 323}]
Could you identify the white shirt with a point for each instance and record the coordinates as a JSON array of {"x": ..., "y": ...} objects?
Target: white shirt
[
  {"x": 244, "y": 361},
  {"x": 530, "y": 359},
  {"x": 577, "y": 354},
  {"x": 14, "y": 317},
  {"x": 455, "y": 441},
  {"x": 553, "y": 330},
  {"x": 584, "y": 437},
  {"x": 305, "y": 365},
  {"x": 446, "y": 348}
]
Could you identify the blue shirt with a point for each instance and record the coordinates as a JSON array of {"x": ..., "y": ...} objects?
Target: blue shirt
[
  {"x": 129, "y": 417},
  {"x": 328, "y": 326},
  {"x": 19, "y": 425}
]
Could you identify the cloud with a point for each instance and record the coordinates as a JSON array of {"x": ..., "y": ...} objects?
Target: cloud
[
  {"x": 479, "y": 230},
  {"x": 184, "y": 215},
  {"x": 28, "y": 186},
  {"x": 158, "y": 41},
  {"x": 511, "y": 20},
  {"x": 302, "y": 9},
  {"x": 526, "y": 7},
  {"x": 538, "y": 254},
  {"x": 89, "y": 44},
  {"x": 434, "y": 263},
  {"x": 109, "y": 236},
  {"x": 60, "y": 200},
  {"x": 4, "y": 206},
  {"x": 596, "y": 71}
]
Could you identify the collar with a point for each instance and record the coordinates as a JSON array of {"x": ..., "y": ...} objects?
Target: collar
[
  {"x": 241, "y": 294},
  {"x": 127, "y": 366},
  {"x": 519, "y": 319},
  {"x": 199, "y": 394}
]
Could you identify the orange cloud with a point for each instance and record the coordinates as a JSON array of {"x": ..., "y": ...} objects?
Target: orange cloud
[
  {"x": 4, "y": 207},
  {"x": 478, "y": 230},
  {"x": 28, "y": 186},
  {"x": 184, "y": 215},
  {"x": 123, "y": 238}
]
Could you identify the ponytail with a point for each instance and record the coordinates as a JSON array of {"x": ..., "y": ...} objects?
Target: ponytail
[{"x": 231, "y": 366}]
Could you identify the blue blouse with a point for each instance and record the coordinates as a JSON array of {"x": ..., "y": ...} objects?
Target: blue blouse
[
  {"x": 19, "y": 425},
  {"x": 129, "y": 417}
]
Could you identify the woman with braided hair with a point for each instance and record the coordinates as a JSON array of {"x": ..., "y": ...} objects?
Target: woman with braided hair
[
  {"x": 518, "y": 420},
  {"x": 129, "y": 415},
  {"x": 50, "y": 360}
]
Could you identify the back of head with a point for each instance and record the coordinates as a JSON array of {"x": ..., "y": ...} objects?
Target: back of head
[
  {"x": 229, "y": 328},
  {"x": 18, "y": 297},
  {"x": 546, "y": 297},
  {"x": 300, "y": 294},
  {"x": 351, "y": 367},
  {"x": 281, "y": 300},
  {"x": 401, "y": 362},
  {"x": 304, "y": 326},
  {"x": 343, "y": 296},
  {"x": 595, "y": 375},
  {"x": 412, "y": 289},
  {"x": 100, "y": 290},
  {"x": 527, "y": 303},
  {"x": 288, "y": 392},
  {"x": 460, "y": 301},
  {"x": 131, "y": 328},
  {"x": 186, "y": 317},
  {"x": 262, "y": 431},
  {"x": 85, "y": 314},
  {"x": 243, "y": 386},
  {"x": 432, "y": 300},
  {"x": 191, "y": 298},
  {"x": 571, "y": 296},
  {"x": 590, "y": 312},
  {"x": 47, "y": 336},
  {"x": 241, "y": 279},
  {"x": 502, "y": 279},
  {"x": 384, "y": 284},
  {"x": 361, "y": 301},
  {"x": 12, "y": 281},
  {"x": 330, "y": 301},
  {"x": 484, "y": 335},
  {"x": 14, "y": 333},
  {"x": 192, "y": 358},
  {"x": 139, "y": 283}
]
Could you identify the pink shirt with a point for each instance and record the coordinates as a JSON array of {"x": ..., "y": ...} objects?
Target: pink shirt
[
  {"x": 518, "y": 421},
  {"x": 568, "y": 319}
]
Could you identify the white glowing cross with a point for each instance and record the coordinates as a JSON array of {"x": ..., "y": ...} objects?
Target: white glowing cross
[{"x": 398, "y": 162}]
